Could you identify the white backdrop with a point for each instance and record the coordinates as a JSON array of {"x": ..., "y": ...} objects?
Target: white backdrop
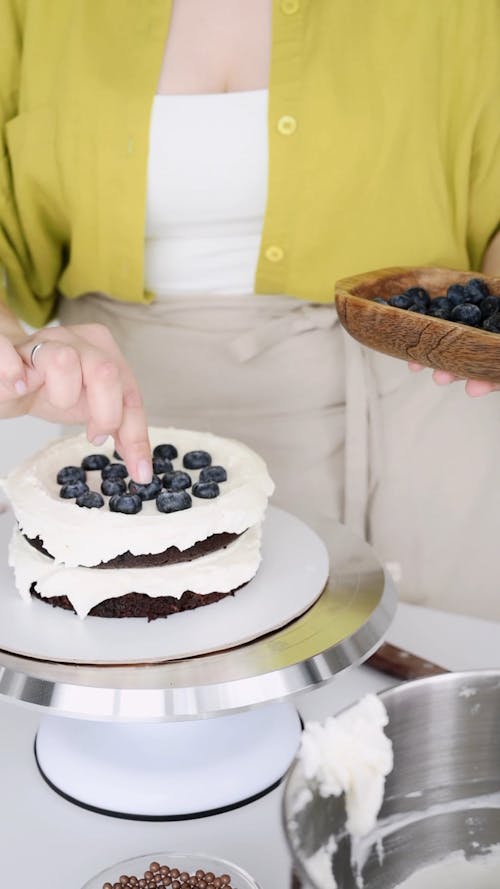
[{"x": 21, "y": 437}]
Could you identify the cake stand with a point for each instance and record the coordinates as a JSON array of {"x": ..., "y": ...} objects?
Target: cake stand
[{"x": 184, "y": 737}]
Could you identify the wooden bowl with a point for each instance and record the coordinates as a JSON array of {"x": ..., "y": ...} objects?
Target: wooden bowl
[{"x": 467, "y": 352}]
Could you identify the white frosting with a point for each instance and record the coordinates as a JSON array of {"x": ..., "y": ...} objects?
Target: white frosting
[
  {"x": 456, "y": 872},
  {"x": 220, "y": 571},
  {"x": 350, "y": 754},
  {"x": 319, "y": 866},
  {"x": 78, "y": 536},
  {"x": 362, "y": 847}
]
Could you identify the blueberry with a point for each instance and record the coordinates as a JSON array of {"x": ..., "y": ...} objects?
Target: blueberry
[
  {"x": 167, "y": 451},
  {"x": 489, "y": 305},
  {"x": 456, "y": 294},
  {"x": 196, "y": 459},
  {"x": 473, "y": 294},
  {"x": 492, "y": 323},
  {"x": 161, "y": 465},
  {"x": 73, "y": 489},
  {"x": 416, "y": 293},
  {"x": 95, "y": 461},
  {"x": 472, "y": 298},
  {"x": 206, "y": 490},
  {"x": 114, "y": 470},
  {"x": 379, "y": 299},
  {"x": 418, "y": 296},
  {"x": 126, "y": 503},
  {"x": 400, "y": 301},
  {"x": 117, "y": 456},
  {"x": 419, "y": 310},
  {"x": 441, "y": 313},
  {"x": 478, "y": 289},
  {"x": 112, "y": 486},
  {"x": 91, "y": 499},
  {"x": 146, "y": 492},
  {"x": 177, "y": 480},
  {"x": 173, "y": 501},
  {"x": 70, "y": 474},
  {"x": 440, "y": 307},
  {"x": 467, "y": 313},
  {"x": 213, "y": 474}
]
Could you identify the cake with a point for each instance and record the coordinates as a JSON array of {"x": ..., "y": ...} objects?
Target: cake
[{"x": 91, "y": 540}]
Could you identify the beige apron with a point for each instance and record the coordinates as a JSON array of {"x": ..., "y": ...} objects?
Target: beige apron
[{"x": 347, "y": 434}]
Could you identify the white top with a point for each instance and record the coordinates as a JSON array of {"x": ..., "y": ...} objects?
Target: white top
[{"x": 206, "y": 192}]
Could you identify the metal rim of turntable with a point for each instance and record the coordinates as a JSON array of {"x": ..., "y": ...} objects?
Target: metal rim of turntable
[{"x": 341, "y": 629}]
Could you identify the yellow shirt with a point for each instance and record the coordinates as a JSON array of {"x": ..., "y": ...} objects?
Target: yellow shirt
[{"x": 384, "y": 142}]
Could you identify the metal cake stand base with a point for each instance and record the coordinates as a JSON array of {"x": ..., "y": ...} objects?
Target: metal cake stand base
[{"x": 140, "y": 742}]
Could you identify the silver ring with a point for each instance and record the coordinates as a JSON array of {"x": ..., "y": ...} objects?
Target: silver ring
[{"x": 34, "y": 350}]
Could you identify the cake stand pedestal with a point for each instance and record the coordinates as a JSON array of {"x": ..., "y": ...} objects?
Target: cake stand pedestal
[
  {"x": 169, "y": 770},
  {"x": 184, "y": 738}
]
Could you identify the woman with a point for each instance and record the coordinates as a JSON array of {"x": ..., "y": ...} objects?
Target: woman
[{"x": 187, "y": 229}]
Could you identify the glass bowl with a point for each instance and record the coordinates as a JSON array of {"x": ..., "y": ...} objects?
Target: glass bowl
[{"x": 183, "y": 861}]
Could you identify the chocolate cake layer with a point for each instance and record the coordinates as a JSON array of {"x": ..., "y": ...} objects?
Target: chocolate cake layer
[
  {"x": 138, "y": 604},
  {"x": 155, "y": 560}
]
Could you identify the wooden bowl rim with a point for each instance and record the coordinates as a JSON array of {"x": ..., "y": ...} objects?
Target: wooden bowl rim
[
  {"x": 394, "y": 271},
  {"x": 343, "y": 289}
]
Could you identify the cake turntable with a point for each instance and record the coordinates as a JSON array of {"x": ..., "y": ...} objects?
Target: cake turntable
[{"x": 207, "y": 726}]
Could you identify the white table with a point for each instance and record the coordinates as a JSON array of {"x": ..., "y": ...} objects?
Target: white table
[{"x": 52, "y": 844}]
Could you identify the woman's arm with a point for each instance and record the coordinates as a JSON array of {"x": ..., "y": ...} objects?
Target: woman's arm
[
  {"x": 80, "y": 375},
  {"x": 491, "y": 262},
  {"x": 9, "y": 324}
]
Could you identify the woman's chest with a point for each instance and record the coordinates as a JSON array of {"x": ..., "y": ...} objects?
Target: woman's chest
[{"x": 217, "y": 46}]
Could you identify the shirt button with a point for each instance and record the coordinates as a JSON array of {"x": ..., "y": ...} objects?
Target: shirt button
[
  {"x": 289, "y": 6},
  {"x": 287, "y": 125},
  {"x": 274, "y": 253}
]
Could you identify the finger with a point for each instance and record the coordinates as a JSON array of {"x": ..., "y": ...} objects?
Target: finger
[
  {"x": 476, "y": 388},
  {"x": 415, "y": 367},
  {"x": 103, "y": 383},
  {"x": 12, "y": 369},
  {"x": 59, "y": 366},
  {"x": 105, "y": 396},
  {"x": 443, "y": 378},
  {"x": 132, "y": 438},
  {"x": 95, "y": 437},
  {"x": 93, "y": 381}
]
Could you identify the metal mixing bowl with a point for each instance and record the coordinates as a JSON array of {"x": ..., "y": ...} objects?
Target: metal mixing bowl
[{"x": 442, "y": 796}]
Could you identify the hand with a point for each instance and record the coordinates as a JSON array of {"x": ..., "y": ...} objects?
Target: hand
[
  {"x": 79, "y": 376},
  {"x": 474, "y": 388}
]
